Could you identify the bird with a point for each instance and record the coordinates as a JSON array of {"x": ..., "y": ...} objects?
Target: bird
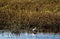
[{"x": 34, "y": 29}]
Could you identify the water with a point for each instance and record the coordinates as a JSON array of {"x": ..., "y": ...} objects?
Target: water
[{"x": 9, "y": 35}]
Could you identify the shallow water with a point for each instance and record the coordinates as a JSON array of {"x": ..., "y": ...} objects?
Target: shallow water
[{"x": 9, "y": 35}]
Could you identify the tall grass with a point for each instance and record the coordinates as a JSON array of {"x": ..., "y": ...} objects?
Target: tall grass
[{"x": 17, "y": 15}]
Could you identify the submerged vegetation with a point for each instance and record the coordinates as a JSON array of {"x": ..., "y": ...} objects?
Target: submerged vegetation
[{"x": 19, "y": 15}]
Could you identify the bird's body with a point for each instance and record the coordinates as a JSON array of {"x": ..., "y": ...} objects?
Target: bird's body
[{"x": 34, "y": 28}]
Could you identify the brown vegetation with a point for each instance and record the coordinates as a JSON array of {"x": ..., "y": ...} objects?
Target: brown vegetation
[{"x": 17, "y": 15}]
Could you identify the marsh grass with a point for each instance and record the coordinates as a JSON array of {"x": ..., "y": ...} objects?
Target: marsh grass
[{"x": 17, "y": 15}]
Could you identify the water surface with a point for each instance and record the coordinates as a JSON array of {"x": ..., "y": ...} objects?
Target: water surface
[{"x": 9, "y": 35}]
